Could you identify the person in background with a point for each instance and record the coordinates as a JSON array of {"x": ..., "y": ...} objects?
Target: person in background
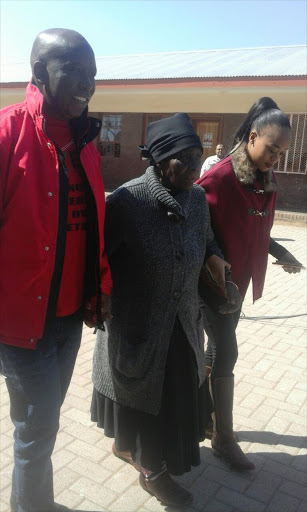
[
  {"x": 212, "y": 160},
  {"x": 241, "y": 193},
  {"x": 149, "y": 368},
  {"x": 54, "y": 271}
]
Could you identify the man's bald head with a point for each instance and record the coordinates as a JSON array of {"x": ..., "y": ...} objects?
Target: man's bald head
[
  {"x": 63, "y": 69},
  {"x": 55, "y": 42}
]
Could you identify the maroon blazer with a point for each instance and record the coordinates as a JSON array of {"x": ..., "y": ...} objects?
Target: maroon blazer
[{"x": 241, "y": 217}]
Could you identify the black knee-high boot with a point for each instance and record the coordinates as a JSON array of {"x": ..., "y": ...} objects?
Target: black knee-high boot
[{"x": 223, "y": 441}]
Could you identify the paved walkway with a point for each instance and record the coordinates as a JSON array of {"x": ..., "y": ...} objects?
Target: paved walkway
[{"x": 270, "y": 415}]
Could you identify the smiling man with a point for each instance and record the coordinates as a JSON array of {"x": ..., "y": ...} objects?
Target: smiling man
[{"x": 54, "y": 272}]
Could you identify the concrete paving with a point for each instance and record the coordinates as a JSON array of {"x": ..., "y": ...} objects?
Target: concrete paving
[{"x": 270, "y": 416}]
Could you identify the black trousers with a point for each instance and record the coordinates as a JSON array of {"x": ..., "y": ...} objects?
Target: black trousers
[{"x": 222, "y": 348}]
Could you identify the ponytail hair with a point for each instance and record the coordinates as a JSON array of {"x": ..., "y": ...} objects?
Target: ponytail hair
[{"x": 264, "y": 112}]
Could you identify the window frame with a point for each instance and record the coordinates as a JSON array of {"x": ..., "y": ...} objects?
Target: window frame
[
  {"x": 284, "y": 169},
  {"x": 114, "y": 144}
]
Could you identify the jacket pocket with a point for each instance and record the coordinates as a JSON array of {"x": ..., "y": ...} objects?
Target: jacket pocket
[{"x": 134, "y": 356}]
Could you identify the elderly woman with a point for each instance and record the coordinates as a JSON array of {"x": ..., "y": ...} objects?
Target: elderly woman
[{"x": 149, "y": 367}]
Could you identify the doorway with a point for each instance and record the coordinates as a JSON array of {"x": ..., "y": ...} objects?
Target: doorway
[{"x": 209, "y": 132}]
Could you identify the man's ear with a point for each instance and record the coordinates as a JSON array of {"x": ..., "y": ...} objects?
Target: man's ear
[{"x": 40, "y": 73}]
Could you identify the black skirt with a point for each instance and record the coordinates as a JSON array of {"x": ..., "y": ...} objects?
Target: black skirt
[{"x": 173, "y": 435}]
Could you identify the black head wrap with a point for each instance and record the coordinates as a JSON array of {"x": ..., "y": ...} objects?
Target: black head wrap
[{"x": 169, "y": 136}]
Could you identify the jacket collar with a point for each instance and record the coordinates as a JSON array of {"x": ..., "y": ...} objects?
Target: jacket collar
[
  {"x": 247, "y": 173},
  {"x": 34, "y": 102},
  {"x": 178, "y": 207},
  {"x": 84, "y": 127}
]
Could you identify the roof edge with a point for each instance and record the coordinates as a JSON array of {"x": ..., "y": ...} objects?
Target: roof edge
[
  {"x": 142, "y": 81},
  {"x": 201, "y": 51}
]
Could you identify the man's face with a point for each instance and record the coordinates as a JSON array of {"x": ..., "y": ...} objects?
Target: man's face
[
  {"x": 219, "y": 151},
  {"x": 71, "y": 81}
]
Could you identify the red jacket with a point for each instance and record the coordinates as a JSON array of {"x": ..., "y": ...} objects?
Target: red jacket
[
  {"x": 29, "y": 212},
  {"x": 242, "y": 233}
]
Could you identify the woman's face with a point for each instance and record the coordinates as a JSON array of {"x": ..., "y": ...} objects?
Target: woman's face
[
  {"x": 266, "y": 148},
  {"x": 183, "y": 170}
]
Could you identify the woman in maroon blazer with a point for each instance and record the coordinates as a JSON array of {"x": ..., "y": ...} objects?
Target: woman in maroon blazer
[{"x": 241, "y": 192}]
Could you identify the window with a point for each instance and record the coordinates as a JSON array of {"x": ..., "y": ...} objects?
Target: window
[
  {"x": 109, "y": 143},
  {"x": 294, "y": 161}
]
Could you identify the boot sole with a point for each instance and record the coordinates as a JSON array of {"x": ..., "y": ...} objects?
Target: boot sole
[
  {"x": 227, "y": 461},
  {"x": 167, "y": 504}
]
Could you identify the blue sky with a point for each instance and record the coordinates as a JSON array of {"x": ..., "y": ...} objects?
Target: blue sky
[{"x": 146, "y": 26}]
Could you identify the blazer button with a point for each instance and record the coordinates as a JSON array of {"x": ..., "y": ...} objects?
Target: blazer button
[{"x": 177, "y": 295}]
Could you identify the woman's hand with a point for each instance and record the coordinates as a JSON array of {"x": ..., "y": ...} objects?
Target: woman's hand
[
  {"x": 291, "y": 269},
  {"x": 216, "y": 268},
  {"x": 289, "y": 263}
]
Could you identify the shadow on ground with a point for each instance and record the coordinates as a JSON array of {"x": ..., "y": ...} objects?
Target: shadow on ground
[
  {"x": 271, "y": 438},
  {"x": 216, "y": 487}
]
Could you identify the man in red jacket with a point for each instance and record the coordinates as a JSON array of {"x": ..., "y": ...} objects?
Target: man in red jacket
[{"x": 54, "y": 271}]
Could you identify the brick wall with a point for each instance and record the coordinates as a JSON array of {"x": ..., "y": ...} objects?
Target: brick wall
[
  {"x": 118, "y": 170},
  {"x": 292, "y": 188}
]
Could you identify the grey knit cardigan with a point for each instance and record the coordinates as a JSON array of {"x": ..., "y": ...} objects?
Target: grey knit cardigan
[{"x": 156, "y": 245}]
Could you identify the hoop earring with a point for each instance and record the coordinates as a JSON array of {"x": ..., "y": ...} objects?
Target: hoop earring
[{"x": 161, "y": 173}]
